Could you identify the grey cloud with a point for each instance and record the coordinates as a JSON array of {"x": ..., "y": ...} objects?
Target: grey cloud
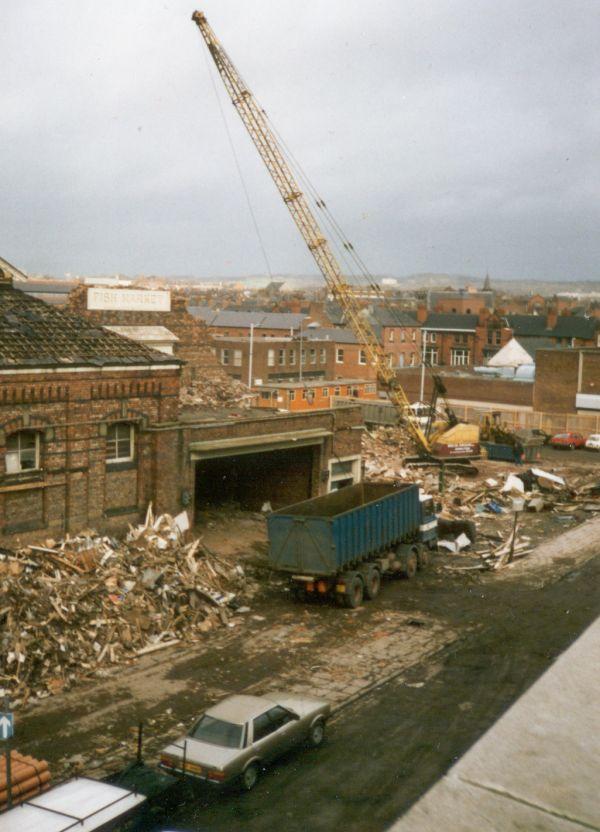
[{"x": 446, "y": 135}]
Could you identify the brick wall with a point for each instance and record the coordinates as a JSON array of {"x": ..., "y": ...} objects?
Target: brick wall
[
  {"x": 75, "y": 486},
  {"x": 557, "y": 378}
]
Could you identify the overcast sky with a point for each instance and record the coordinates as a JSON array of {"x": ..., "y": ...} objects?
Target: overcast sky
[{"x": 454, "y": 136}]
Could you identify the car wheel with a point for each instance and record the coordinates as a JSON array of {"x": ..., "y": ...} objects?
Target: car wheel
[
  {"x": 316, "y": 735},
  {"x": 250, "y": 777}
]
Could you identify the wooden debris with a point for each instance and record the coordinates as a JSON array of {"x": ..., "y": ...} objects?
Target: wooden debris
[{"x": 89, "y": 601}]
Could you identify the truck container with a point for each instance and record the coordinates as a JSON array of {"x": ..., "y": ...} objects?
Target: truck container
[{"x": 342, "y": 543}]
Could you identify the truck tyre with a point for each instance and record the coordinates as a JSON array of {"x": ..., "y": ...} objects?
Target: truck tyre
[
  {"x": 372, "y": 580},
  {"x": 353, "y": 596},
  {"x": 409, "y": 563},
  {"x": 250, "y": 777},
  {"x": 423, "y": 557},
  {"x": 299, "y": 594}
]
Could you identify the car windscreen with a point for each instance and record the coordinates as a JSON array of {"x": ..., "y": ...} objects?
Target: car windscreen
[{"x": 217, "y": 732}]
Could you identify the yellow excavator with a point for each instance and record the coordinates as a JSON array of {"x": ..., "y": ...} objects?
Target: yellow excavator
[{"x": 441, "y": 439}]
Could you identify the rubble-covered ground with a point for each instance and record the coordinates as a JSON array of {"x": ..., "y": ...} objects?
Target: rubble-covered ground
[{"x": 551, "y": 496}]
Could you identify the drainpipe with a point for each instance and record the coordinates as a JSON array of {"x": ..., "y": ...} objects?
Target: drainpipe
[
  {"x": 251, "y": 355},
  {"x": 423, "y": 354}
]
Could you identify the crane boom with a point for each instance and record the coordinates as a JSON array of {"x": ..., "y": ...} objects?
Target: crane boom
[{"x": 268, "y": 147}]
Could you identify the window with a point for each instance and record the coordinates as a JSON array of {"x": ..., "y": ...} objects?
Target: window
[
  {"x": 370, "y": 388},
  {"x": 490, "y": 336},
  {"x": 304, "y": 395},
  {"x": 343, "y": 471},
  {"x": 270, "y": 358},
  {"x": 237, "y": 358},
  {"x": 119, "y": 442},
  {"x": 281, "y": 358},
  {"x": 224, "y": 356},
  {"x": 262, "y": 726},
  {"x": 431, "y": 356},
  {"x": 459, "y": 357},
  {"x": 22, "y": 452},
  {"x": 498, "y": 337},
  {"x": 339, "y": 356},
  {"x": 402, "y": 335},
  {"x": 303, "y": 356},
  {"x": 414, "y": 335},
  {"x": 391, "y": 336},
  {"x": 292, "y": 356},
  {"x": 362, "y": 357},
  {"x": 412, "y": 359},
  {"x": 313, "y": 355},
  {"x": 322, "y": 355},
  {"x": 217, "y": 732},
  {"x": 273, "y": 720},
  {"x": 336, "y": 391},
  {"x": 432, "y": 337},
  {"x": 292, "y": 395},
  {"x": 266, "y": 395},
  {"x": 325, "y": 392},
  {"x": 390, "y": 360}
]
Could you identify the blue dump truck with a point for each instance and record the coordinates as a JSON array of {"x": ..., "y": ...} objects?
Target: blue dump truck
[{"x": 343, "y": 543}]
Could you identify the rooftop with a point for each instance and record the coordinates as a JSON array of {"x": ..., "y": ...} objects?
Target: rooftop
[
  {"x": 451, "y": 321},
  {"x": 318, "y": 382},
  {"x": 35, "y": 334}
]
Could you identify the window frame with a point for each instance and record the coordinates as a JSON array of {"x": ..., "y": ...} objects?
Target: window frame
[
  {"x": 362, "y": 357},
  {"x": 116, "y": 460},
  {"x": 17, "y": 453},
  {"x": 339, "y": 355}
]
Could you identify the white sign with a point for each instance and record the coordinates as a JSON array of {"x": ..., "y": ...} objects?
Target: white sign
[
  {"x": 6, "y": 726},
  {"x": 134, "y": 300}
]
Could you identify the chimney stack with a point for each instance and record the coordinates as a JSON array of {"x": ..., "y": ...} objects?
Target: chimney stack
[
  {"x": 421, "y": 313},
  {"x": 551, "y": 317}
]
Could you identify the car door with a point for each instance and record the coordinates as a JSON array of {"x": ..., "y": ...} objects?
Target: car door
[
  {"x": 287, "y": 728},
  {"x": 273, "y": 733}
]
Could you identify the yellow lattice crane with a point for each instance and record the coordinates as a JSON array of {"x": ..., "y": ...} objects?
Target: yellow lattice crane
[{"x": 274, "y": 158}]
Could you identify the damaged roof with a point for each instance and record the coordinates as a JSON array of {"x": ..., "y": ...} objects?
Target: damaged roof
[{"x": 35, "y": 334}]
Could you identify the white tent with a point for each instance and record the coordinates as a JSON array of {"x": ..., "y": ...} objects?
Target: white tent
[{"x": 511, "y": 355}]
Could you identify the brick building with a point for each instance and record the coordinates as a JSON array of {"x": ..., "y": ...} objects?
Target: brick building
[
  {"x": 399, "y": 334},
  {"x": 568, "y": 381},
  {"x": 564, "y": 330},
  {"x": 91, "y": 431},
  {"x": 320, "y": 353},
  {"x": 457, "y": 340},
  {"x": 75, "y": 406},
  {"x": 460, "y": 301},
  {"x": 298, "y": 396}
]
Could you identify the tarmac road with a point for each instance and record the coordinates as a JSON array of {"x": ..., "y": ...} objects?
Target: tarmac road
[{"x": 387, "y": 748}]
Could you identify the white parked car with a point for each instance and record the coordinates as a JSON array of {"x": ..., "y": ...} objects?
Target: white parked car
[{"x": 593, "y": 442}]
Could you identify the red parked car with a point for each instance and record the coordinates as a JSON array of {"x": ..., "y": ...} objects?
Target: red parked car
[{"x": 568, "y": 441}]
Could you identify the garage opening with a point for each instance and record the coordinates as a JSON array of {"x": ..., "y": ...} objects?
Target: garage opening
[{"x": 280, "y": 477}]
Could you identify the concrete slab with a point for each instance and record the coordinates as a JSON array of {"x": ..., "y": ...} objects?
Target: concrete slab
[{"x": 539, "y": 764}]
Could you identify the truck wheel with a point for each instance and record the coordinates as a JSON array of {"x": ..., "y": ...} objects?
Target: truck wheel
[
  {"x": 299, "y": 594},
  {"x": 423, "y": 557},
  {"x": 409, "y": 563},
  {"x": 372, "y": 579},
  {"x": 353, "y": 596}
]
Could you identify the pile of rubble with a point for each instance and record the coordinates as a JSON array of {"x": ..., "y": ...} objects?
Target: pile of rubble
[
  {"x": 217, "y": 391},
  {"x": 70, "y": 609},
  {"x": 383, "y": 450}
]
